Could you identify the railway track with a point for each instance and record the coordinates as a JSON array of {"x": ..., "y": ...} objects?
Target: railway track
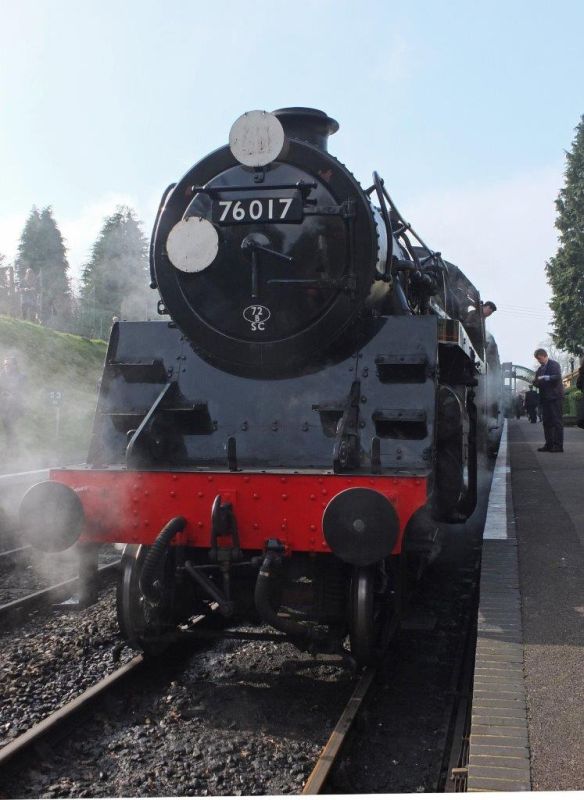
[
  {"x": 217, "y": 690},
  {"x": 450, "y": 775},
  {"x": 65, "y": 719},
  {"x": 14, "y": 553},
  {"x": 317, "y": 780},
  {"x": 50, "y": 595},
  {"x": 17, "y": 479},
  {"x": 413, "y": 733},
  {"x": 65, "y": 722},
  {"x": 46, "y": 730}
]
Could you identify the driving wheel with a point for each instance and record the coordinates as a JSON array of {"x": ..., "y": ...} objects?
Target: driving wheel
[
  {"x": 141, "y": 625},
  {"x": 372, "y": 618}
]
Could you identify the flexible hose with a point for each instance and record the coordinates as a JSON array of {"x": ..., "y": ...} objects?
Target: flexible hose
[
  {"x": 269, "y": 615},
  {"x": 154, "y": 557}
]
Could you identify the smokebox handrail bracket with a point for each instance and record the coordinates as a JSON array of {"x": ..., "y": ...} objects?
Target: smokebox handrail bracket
[{"x": 146, "y": 424}]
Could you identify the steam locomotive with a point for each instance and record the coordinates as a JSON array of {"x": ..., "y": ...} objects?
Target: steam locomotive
[{"x": 282, "y": 444}]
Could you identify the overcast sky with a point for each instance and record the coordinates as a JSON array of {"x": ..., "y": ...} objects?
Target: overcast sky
[{"x": 465, "y": 108}]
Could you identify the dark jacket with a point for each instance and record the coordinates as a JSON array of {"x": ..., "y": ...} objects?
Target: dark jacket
[
  {"x": 553, "y": 388},
  {"x": 531, "y": 399}
]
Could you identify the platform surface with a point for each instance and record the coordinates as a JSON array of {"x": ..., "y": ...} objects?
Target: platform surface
[{"x": 528, "y": 700}]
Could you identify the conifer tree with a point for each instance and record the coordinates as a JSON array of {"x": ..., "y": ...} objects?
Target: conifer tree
[
  {"x": 6, "y": 286},
  {"x": 565, "y": 270},
  {"x": 115, "y": 279},
  {"x": 4, "y": 266},
  {"x": 42, "y": 249}
]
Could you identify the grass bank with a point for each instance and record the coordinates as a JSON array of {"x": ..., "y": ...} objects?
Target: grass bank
[{"x": 52, "y": 362}]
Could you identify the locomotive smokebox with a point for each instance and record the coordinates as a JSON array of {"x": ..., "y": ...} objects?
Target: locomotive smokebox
[
  {"x": 360, "y": 526},
  {"x": 308, "y": 124},
  {"x": 51, "y": 517}
]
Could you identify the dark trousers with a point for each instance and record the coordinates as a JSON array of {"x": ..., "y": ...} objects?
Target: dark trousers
[{"x": 553, "y": 426}]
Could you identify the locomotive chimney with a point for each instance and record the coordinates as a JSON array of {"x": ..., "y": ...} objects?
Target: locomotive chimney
[{"x": 309, "y": 124}]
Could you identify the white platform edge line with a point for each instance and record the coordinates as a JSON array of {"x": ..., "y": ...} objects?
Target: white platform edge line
[
  {"x": 496, "y": 521},
  {"x": 506, "y": 511}
]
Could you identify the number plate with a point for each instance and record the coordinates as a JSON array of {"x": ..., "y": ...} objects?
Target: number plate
[{"x": 258, "y": 209}]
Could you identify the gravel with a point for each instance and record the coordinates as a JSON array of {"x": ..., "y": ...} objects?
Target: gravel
[
  {"x": 50, "y": 659},
  {"x": 23, "y": 574},
  {"x": 231, "y": 720}
]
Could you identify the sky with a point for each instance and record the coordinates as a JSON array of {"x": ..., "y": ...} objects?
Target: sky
[{"x": 465, "y": 108}]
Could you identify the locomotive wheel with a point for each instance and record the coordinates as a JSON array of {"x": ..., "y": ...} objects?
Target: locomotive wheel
[
  {"x": 371, "y": 616},
  {"x": 141, "y": 629}
]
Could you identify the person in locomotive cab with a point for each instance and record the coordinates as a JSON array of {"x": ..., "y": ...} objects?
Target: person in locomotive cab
[
  {"x": 472, "y": 321},
  {"x": 548, "y": 379},
  {"x": 487, "y": 309}
]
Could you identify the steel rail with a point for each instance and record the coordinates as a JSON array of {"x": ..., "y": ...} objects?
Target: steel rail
[
  {"x": 46, "y": 726},
  {"x": 16, "y": 551},
  {"x": 49, "y": 725},
  {"x": 17, "y": 478},
  {"x": 319, "y": 775},
  {"x": 51, "y": 594}
]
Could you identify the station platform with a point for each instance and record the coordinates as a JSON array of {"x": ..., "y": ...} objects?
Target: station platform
[{"x": 527, "y": 729}]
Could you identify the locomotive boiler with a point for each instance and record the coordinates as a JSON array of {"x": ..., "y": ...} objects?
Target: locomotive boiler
[{"x": 282, "y": 444}]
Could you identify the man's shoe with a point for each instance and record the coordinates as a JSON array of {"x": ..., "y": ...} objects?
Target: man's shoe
[
  {"x": 544, "y": 449},
  {"x": 556, "y": 449}
]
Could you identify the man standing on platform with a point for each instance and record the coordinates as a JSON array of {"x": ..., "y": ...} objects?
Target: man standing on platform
[{"x": 548, "y": 380}]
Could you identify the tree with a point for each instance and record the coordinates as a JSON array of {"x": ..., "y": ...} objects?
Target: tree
[
  {"x": 565, "y": 270},
  {"x": 4, "y": 267},
  {"x": 42, "y": 249},
  {"x": 115, "y": 279},
  {"x": 7, "y": 297}
]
